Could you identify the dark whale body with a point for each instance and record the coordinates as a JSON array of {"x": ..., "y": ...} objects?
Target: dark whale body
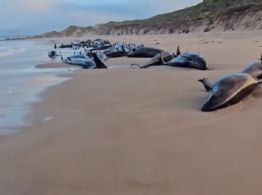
[
  {"x": 189, "y": 60},
  {"x": 144, "y": 52},
  {"x": 228, "y": 90},
  {"x": 86, "y": 62}
]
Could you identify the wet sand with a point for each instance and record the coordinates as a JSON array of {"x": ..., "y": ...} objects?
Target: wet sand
[
  {"x": 130, "y": 131},
  {"x": 53, "y": 64}
]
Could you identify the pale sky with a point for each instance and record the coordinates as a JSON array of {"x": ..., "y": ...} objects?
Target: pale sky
[{"x": 27, "y": 17}]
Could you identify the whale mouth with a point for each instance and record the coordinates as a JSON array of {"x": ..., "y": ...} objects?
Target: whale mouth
[
  {"x": 212, "y": 103},
  {"x": 259, "y": 77}
]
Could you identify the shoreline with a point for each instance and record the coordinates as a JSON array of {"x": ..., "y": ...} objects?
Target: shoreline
[
  {"x": 211, "y": 33},
  {"x": 37, "y": 81},
  {"x": 132, "y": 131},
  {"x": 32, "y": 116}
]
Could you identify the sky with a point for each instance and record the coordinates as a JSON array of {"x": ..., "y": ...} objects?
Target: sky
[{"x": 31, "y": 17}]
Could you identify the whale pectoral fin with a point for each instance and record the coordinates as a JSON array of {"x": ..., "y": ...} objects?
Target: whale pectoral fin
[{"x": 207, "y": 84}]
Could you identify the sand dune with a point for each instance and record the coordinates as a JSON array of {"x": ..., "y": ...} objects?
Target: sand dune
[{"x": 131, "y": 131}]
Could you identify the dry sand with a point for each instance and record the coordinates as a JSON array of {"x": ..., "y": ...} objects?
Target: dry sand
[{"x": 129, "y": 131}]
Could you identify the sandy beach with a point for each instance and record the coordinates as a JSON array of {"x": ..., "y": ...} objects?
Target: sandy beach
[{"x": 128, "y": 131}]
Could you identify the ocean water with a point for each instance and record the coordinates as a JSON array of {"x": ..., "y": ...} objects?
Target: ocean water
[{"x": 20, "y": 82}]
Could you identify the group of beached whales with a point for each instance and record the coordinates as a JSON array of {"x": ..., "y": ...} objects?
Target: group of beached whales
[
  {"x": 103, "y": 50},
  {"x": 226, "y": 91}
]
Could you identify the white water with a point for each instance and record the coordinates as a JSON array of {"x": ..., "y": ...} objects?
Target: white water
[{"x": 21, "y": 82}]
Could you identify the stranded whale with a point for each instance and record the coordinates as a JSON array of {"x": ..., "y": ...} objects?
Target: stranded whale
[{"x": 228, "y": 90}]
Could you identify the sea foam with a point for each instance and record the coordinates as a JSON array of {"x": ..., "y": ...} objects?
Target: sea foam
[{"x": 11, "y": 51}]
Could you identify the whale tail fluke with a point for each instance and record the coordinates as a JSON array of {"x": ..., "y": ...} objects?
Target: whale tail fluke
[
  {"x": 99, "y": 63},
  {"x": 178, "y": 52},
  {"x": 207, "y": 84},
  {"x": 61, "y": 56}
]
